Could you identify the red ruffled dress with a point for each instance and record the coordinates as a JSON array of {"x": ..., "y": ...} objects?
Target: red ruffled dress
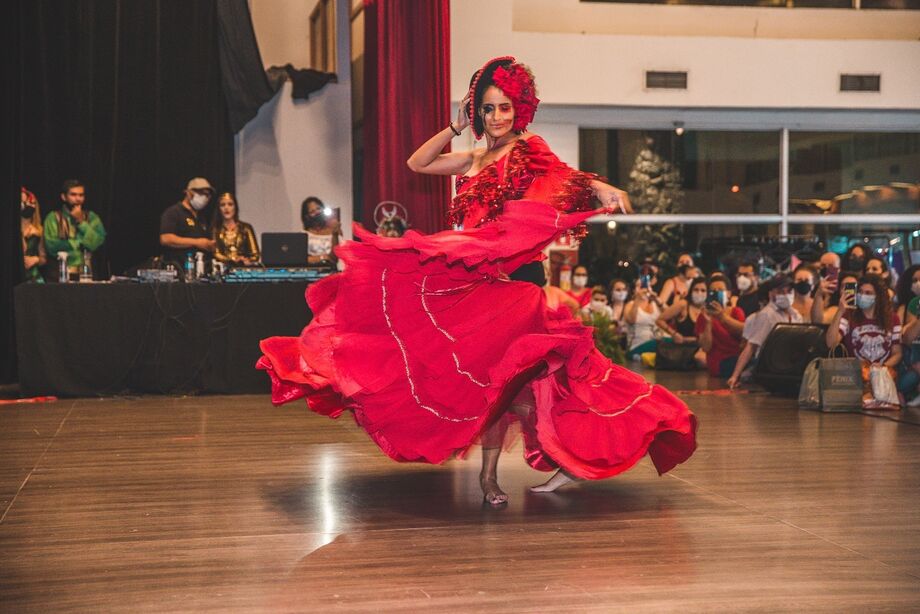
[{"x": 426, "y": 341}]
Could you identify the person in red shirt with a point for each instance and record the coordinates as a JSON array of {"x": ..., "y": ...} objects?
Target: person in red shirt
[
  {"x": 719, "y": 329},
  {"x": 580, "y": 291}
]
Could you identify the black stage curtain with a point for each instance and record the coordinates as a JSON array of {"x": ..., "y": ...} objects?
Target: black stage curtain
[{"x": 127, "y": 96}]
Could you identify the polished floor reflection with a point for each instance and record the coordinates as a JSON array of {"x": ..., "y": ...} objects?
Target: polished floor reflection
[{"x": 226, "y": 503}]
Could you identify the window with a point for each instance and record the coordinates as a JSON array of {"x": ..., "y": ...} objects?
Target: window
[
  {"x": 697, "y": 172},
  {"x": 322, "y": 36},
  {"x": 854, "y": 172}
]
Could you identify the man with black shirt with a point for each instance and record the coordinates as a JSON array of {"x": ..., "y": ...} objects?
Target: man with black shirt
[
  {"x": 746, "y": 280},
  {"x": 183, "y": 228}
]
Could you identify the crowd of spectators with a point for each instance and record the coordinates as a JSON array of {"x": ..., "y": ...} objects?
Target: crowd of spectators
[{"x": 724, "y": 318}]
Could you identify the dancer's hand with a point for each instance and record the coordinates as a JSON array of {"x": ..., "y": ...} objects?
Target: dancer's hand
[
  {"x": 463, "y": 119},
  {"x": 614, "y": 198}
]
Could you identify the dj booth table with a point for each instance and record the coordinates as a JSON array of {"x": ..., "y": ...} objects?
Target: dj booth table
[{"x": 103, "y": 339}]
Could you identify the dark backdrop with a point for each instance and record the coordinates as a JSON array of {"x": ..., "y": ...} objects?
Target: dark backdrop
[{"x": 123, "y": 94}]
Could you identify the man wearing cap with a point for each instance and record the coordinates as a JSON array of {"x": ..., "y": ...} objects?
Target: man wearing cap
[
  {"x": 757, "y": 328},
  {"x": 183, "y": 227}
]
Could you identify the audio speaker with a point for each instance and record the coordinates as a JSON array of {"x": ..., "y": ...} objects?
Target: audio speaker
[{"x": 785, "y": 354}]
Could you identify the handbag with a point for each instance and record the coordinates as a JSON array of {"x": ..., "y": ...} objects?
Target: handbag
[
  {"x": 884, "y": 390},
  {"x": 810, "y": 389},
  {"x": 670, "y": 356}
]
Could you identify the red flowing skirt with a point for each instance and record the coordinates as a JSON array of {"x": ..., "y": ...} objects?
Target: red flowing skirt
[{"x": 426, "y": 341}]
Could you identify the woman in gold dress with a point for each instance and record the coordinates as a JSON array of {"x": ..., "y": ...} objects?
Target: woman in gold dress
[{"x": 236, "y": 240}]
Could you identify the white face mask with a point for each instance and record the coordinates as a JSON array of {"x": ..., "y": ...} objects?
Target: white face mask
[
  {"x": 597, "y": 305},
  {"x": 698, "y": 298},
  {"x": 783, "y": 301},
  {"x": 744, "y": 283},
  {"x": 620, "y": 295},
  {"x": 915, "y": 288},
  {"x": 199, "y": 201},
  {"x": 579, "y": 281}
]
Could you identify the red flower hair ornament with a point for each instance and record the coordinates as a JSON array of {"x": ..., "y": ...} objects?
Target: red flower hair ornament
[{"x": 515, "y": 81}]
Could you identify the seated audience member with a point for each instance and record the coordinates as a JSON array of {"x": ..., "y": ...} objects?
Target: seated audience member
[
  {"x": 827, "y": 296},
  {"x": 758, "y": 327},
  {"x": 719, "y": 327},
  {"x": 30, "y": 226},
  {"x": 747, "y": 280},
  {"x": 856, "y": 257},
  {"x": 234, "y": 241},
  {"x": 676, "y": 287},
  {"x": 394, "y": 227},
  {"x": 828, "y": 260},
  {"x": 183, "y": 227},
  {"x": 871, "y": 331},
  {"x": 803, "y": 280},
  {"x": 679, "y": 320},
  {"x": 598, "y": 305},
  {"x": 908, "y": 305},
  {"x": 73, "y": 228},
  {"x": 322, "y": 230},
  {"x": 619, "y": 297},
  {"x": 642, "y": 314},
  {"x": 580, "y": 291},
  {"x": 876, "y": 265}
]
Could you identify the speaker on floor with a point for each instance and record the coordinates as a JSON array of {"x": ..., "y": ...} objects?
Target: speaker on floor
[{"x": 785, "y": 354}]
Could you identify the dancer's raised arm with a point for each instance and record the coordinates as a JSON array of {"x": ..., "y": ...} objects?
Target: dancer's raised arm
[{"x": 428, "y": 158}]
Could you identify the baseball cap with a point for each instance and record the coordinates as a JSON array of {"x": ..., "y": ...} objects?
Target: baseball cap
[{"x": 199, "y": 183}]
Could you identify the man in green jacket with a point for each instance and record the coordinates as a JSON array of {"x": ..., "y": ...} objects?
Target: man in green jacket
[{"x": 72, "y": 228}]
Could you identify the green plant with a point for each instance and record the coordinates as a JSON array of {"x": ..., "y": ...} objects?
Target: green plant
[{"x": 606, "y": 339}]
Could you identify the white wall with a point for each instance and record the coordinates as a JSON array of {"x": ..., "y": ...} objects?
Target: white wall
[
  {"x": 726, "y": 68},
  {"x": 294, "y": 149}
]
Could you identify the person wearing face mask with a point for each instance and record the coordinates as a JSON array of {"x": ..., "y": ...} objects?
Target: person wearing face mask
[
  {"x": 597, "y": 305},
  {"x": 747, "y": 280},
  {"x": 871, "y": 332},
  {"x": 580, "y": 291},
  {"x": 619, "y": 297},
  {"x": 719, "y": 328},
  {"x": 757, "y": 328},
  {"x": 676, "y": 288},
  {"x": 827, "y": 296},
  {"x": 679, "y": 320},
  {"x": 183, "y": 226},
  {"x": 803, "y": 285},
  {"x": 34, "y": 256},
  {"x": 856, "y": 257},
  {"x": 73, "y": 228}
]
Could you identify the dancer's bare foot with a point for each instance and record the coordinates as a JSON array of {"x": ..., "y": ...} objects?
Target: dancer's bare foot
[
  {"x": 491, "y": 493},
  {"x": 561, "y": 478}
]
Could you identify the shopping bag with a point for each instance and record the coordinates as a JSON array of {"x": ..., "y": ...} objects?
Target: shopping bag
[
  {"x": 884, "y": 390},
  {"x": 840, "y": 382},
  {"x": 810, "y": 389}
]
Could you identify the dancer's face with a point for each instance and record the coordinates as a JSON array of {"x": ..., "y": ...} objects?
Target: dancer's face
[
  {"x": 227, "y": 208},
  {"x": 497, "y": 112}
]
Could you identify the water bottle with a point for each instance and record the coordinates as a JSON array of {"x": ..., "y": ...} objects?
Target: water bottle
[
  {"x": 63, "y": 276},
  {"x": 189, "y": 267},
  {"x": 199, "y": 265},
  {"x": 86, "y": 271}
]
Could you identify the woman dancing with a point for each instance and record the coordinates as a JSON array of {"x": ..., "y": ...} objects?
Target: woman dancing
[{"x": 437, "y": 342}]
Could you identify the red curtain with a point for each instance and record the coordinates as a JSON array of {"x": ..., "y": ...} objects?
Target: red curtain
[{"x": 407, "y": 100}]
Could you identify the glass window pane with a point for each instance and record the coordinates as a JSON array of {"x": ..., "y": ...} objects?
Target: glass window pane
[
  {"x": 696, "y": 172},
  {"x": 712, "y": 244},
  {"x": 900, "y": 243},
  {"x": 861, "y": 172}
]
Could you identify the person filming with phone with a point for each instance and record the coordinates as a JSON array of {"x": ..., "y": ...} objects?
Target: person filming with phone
[
  {"x": 871, "y": 331},
  {"x": 642, "y": 314},
  {"x": 719, "y": 328}
]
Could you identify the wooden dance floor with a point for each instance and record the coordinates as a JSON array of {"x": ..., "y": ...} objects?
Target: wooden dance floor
[{"x": 162, "y": 504}]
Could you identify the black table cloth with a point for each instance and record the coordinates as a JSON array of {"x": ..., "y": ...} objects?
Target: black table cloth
[{"x": 103, "y": 339}]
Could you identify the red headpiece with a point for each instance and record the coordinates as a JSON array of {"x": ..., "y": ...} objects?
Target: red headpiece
[{"x": 515, "y": 81}]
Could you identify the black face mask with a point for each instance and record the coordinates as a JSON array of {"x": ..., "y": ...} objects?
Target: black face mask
[
  {"x": 802, "y": 287},
  {"x": 314, "y": 221},
  {"x": 27, "y": 211},
  {"x": 857, "y": 264}
]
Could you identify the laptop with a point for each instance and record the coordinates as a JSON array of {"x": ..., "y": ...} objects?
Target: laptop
[{"x": 284, "y": 249}]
